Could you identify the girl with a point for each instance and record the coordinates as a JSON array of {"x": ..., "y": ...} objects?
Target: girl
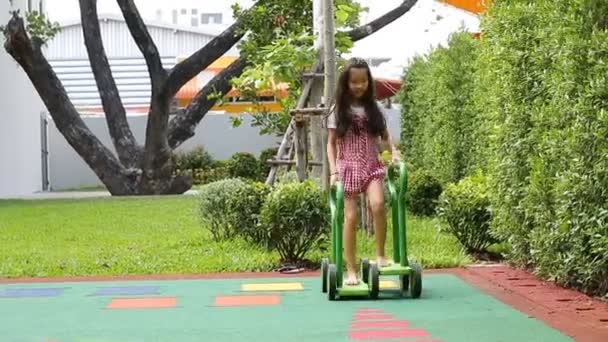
[{"x": 356, "y": 126}]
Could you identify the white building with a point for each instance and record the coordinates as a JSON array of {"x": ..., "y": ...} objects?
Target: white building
[
  {"x": 20, "y": 119},
  {"x": 68, "y": 56}
]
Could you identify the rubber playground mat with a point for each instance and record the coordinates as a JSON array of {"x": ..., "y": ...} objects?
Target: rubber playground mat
[{"x": 257, "y": 309}]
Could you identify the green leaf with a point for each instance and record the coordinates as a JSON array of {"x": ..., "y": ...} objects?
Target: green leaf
[{"x": 342, "y": 16}]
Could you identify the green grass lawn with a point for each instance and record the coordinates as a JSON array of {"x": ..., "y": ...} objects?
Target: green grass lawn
[{"x": 153, "y": 235}]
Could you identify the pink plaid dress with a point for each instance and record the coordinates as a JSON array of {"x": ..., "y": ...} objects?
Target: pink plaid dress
[{"x": 357, "y": 159}]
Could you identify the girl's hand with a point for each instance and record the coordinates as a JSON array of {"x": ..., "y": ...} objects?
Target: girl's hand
[
  {"x": 333, "y": 179},
  {"x": 396, "y": 156}
]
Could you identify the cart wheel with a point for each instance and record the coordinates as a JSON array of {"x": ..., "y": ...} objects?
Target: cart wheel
[
  {"x": 332, "y": 286},
  {"x": 324, "y": 266},
  {"x": 416, "y": 280},
  {"x": 365, "y": 270},
  {"x": 374, "y": 278},
  {"x": 404, "y": 282}
]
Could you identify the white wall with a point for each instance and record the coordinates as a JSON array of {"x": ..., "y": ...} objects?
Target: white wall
[
  {"x": 215, "y": 134},
  {"x": 20, "y": 108}
]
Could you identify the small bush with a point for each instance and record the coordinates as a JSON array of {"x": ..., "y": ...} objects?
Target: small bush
[
  {"x": 244, "y": 210},
  {"x": 216, "y": 172},
  {"x": 423, "y": 193},
  {"x": 266, "y": 154},
  {"x": 213, "y": 207},
  {"x": 465, "y": 208},
  {"x": 192, "y": 160},
  {"x": 296, "y": 216},
  {"x": 243, "y": 165},
  {"x": 284, "y": 176}
]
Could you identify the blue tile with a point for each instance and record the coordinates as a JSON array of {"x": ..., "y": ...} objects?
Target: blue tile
[
  {"x": 32, "y": 292},
  {"x": 127, "y": 291}
]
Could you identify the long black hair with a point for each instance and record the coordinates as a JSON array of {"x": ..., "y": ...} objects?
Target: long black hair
[{"x": 343, "y": 101}]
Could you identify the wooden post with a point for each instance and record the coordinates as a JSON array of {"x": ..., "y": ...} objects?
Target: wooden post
[
  {"x": 329, "y": 58},
  {"x": 301, "y": 148},
  {"x": 287, "y": 138}
]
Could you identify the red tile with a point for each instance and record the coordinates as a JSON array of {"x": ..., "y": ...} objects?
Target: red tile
[
  {"x": 371, "y": 316},
  {"x": 247, "y": 300},
  {"x": 382, "y": 334},
  {"x": 142, "y": 303},
  {"x": 379, "y": 324},
  {"x": 369, "y": 311}
]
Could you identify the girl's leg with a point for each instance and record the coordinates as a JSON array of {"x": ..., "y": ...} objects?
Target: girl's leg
[
  {"x": 375, "y": 194},
  {"x": 350, "y": 239}
]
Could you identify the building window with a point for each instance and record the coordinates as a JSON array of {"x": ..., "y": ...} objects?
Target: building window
[
  {"x": 41, "y": 6},
  {"x": 211, "y": 18},
  {"x": 174, "y": 17},
  {"x": 29, "y": 5},
  {"x": 194, "y": 19}
]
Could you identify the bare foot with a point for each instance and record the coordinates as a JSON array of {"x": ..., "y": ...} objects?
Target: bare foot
[
  {"x": 382, "y": 262},
  {"x": 351, "y": 278}
]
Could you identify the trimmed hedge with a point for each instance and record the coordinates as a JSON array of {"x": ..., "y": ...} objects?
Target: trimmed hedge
[
  {"x": 544, "y": 91},
  {"x": 527, "y": 104},
  {"x": 438, "y": 114}
]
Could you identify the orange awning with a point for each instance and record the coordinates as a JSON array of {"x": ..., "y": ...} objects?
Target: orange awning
[
  {"x": 221, "y": 63},
  {"x": 473, "y": 6},
  {"x": 191, "y": 88}
]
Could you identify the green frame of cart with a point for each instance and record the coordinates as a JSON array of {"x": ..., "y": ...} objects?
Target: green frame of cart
[{"x": 409, "y": 272}]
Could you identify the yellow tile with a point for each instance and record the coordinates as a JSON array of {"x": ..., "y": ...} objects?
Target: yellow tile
[
  {"x": 388, "y": 284},
  {"x": 272, "y": 287}
]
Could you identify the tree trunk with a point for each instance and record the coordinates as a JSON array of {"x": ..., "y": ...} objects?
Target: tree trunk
[{"x": 136, "y": 169}]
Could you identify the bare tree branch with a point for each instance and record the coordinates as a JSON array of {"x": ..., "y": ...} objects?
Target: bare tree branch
[
  {"x": 67, "y": 120},
  {"x": 183, "y": 126},
  {"x": 115, "y": 114},
  {"x": 144, "y": 42},
  {"x": 374, "y": 26},
  {"x": 187, "y": 69},
  {"x": 156, "y": 150}
]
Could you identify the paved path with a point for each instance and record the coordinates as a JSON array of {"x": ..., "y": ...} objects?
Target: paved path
[{"x": 258, "y": 307}]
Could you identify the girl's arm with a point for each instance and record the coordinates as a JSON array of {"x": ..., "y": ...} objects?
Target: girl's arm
[
  {"x": 331, "y": 150},
  {"x": 387, "y": 141}
]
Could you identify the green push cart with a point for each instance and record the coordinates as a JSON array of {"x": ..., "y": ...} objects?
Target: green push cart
[{"x": 409, "y": 272}]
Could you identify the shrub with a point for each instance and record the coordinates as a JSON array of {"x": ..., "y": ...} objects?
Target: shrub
[
  {"x": 244, "y": 209},
  {"x": 296, "y": 216},
  {"x": 266, "y": 154},
  {"x": 422, "y": 193},
  {"x": 195, "y": 159},
  {"x": 438, "y": 121},
  {"x": 213, "y": 207},
  {"x": 543, "y": 91},
  {"x": 217, "y": 171},
  {"x": 243, "y": 165},
  {"x": 465, "y": 208},
  {"x": 284, "y": 176}
]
